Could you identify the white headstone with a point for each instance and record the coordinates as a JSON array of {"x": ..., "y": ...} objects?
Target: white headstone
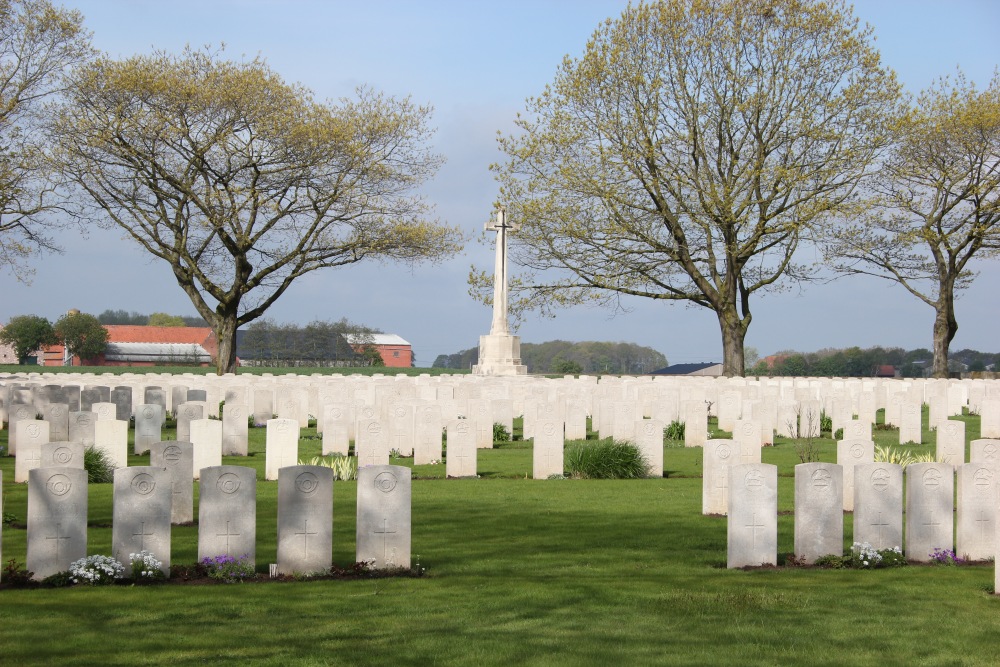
[
  {"x": 178, "y": 460},
  {"x": 819, "y": 517},
  {"x": 206, "y": 439},
  {"x": 383, "y": 520},
  {"x": 878, "y": 505},
  {"x": 111, "y": 437},
  {"x": 305, "y": 519},
  {"x": 951, "y": 442},
  {"x": 752, "y": 526},
  {"x": 718, "y": 455},
  {"x": 976, "y": 512},
  {"x": 649, "y": 439},
  {"x": 282, "y": 446},
  {"x": 227, "y": 513},
  {"x": 462, "y": 451},
  {"x": 235, "y": 429},
  {"x": 547, "y": 454},
  {"x": 57, "y": 519},
  {"x": 930, "y": 509},
  {"x": 851, "y": 453},
  {"x": 141, "y": 515}
]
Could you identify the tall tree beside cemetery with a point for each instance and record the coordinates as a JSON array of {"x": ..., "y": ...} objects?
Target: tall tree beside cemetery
[
  {"x": 38, "y": 43},
  {"x": 937, "y": 203},
  {"x": 242, "y": 182},
  {"x": 688, "y": 151},
  {"x": 82, "y": 334},
  {"x": 27, "y": 334}
]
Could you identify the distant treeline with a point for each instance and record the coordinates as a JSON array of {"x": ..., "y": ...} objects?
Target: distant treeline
[
  {"x": 559, "y": 356},
  {"x": 319, "y": 343},
  {"x": 855, "y": 362},
  {"x": 154, "y": 319}
]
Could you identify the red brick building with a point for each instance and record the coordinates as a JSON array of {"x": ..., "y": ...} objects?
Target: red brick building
[
  {"x": 395, "y": 352},
  {"x": 132, "y": 345}
]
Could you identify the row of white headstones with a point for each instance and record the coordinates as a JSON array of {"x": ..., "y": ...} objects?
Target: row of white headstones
[{"x": 149, "y": 499}]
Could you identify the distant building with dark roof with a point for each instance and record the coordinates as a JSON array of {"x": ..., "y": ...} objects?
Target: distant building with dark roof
[{"x": 711, "y": 369}]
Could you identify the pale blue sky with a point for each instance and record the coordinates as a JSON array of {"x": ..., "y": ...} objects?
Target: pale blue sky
[{"x": 476, "y": 62}]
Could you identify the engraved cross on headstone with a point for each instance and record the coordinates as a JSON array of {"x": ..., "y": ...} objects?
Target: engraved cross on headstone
[
  {"x": 227, "y": 535},
  {"x": 461, "y": 461},
  {"x": 305, "y": 533},
  {"x": 753, "y": 526},
  {"x": 58, "y": 537},
  {"x": 879, "y": 523},
  {"x": 142, "y": 535},
  {"x": 385, "y": 532},
  {"x": 982, "y": 521},
  {"x": 722, "y": 484},
  {"x": 548, "y": 455}
]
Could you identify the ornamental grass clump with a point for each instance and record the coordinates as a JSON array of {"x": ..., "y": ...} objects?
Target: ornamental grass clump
[
  {"x": 344, "y": 467},
  {"x": 229, "y": 569},
  {"x": 100, "y": 468},
  {"x": 605, "y": 459},
  {"x": 96, "y": 570},
  {"x": 903, "y": 458}
]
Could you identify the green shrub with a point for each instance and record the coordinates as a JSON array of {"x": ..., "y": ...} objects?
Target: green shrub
[
  {"x": 606, "y": 459},
  {"x": 825, "y": 423},
  {"x": 99, "y": 467},
  {"x": 500, "y": 433},
  {"x": 675, "y": 431}
]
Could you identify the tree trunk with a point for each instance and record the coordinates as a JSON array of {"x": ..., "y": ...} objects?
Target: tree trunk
[
  {"x": 733, "y": 332},
  {"x": 945, "y": 328},
  {"x": 225, "y": 335}
]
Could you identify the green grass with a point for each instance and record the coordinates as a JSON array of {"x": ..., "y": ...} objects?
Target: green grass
[{"x": 520, "y": 572}]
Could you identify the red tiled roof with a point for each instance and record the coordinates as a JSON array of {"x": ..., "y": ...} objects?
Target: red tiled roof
[{"x": 127, "y": 333}]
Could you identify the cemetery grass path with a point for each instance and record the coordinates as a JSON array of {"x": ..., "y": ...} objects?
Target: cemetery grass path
[{"x": 561, "y": 572}]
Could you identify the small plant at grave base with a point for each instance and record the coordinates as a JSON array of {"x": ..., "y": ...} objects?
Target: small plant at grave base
[
  {"x": 838, "y": 434},
  {"x": 145, "y": 567},
  {"x": 945, "y": 557},
  {"x": 229, "y": 569},
  {"x": 344, "y": 467},
  {"x": 606, "y": 459},
  {"x": 58, "y": 580},
  {"x": 395, "y": 454},
  {"x": 15, "y": 575},
  {"x": 96, "y": 570},
  {"x": 500, "y": 433},
  {"x": 9, "y": 519},
  {"x": 864, "y": 556},
  {"x": 100, "y": 469},
  {"x": 675, "y": 431},
  {"x": 825, "y": 422}
]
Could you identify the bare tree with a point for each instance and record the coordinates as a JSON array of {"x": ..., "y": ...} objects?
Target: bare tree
[
  {"x": 39, "y": 42},
  {"x": 243, "y": 183},
  {"x": 936, "y": 203},
  {"x": 688, "y": 151}
]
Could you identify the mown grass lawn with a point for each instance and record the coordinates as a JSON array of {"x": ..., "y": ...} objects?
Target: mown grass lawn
[{"x": 519, "y": 571}]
